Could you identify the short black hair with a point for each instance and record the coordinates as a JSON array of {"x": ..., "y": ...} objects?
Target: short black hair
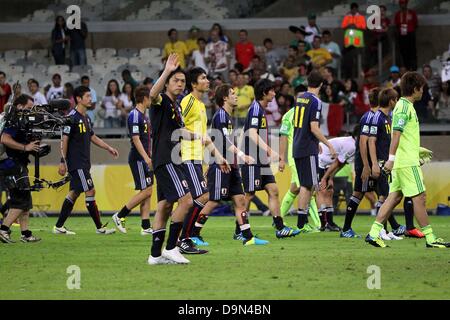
[
  {"x": 84, "y": 78},
  {"x": 385, "y": 96},
  {"x": 56, "y": 75},
  {"x": 317, "y": 37},
  {"x": 147, "y": 80},
  {"x": 174, "y": 72},
  {"x": 262, "y": 87},
  {"x": 170, "y": 31},
  {"x": 267, "y": 40},
  {"x": 373, "y": 97},
  {"x": 193, "y": 75},
  {"x": 243, "y": 30},
  {"x": 293, "y": 48},
  {"x": 126, "y": 72},
  {"x": 410, "y": 81},
  {"x": 141, "y": 92},
  {"x": 34, "y": 81},
  {"x": 22, "y": 99},
  {"x": 201, "y": 39},
  {"x": 354, "y": 5},
  {"x": 326, "y": 32},
  {"x": 300, "y": 88},
  {"x": 222, "y": 92},
  {"x": 314, "y": 79},
  {"x": 4, "y": 74},
  {"x": 79, "y": 92},
  {"x": 356, "y": 130}
]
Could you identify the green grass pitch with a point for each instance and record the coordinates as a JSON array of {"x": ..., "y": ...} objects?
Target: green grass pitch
[{"x": 312, "y": 266}]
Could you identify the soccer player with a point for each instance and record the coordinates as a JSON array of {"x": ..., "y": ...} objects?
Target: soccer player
[
  {"x": 305, "y": 147},
  {"x": 140, "y": 162},
  {"x": 259, "y": 176},
  {"x": 404, "y": 163},
  {"x": 286, "y": 137},
  {"x": 192, "y": 151},
  {"x": 166, "y": 119},
  {"x": 328, "y": 167},
  {"x": 228, "y": 185},
  {"x": 76, "y": 152}
]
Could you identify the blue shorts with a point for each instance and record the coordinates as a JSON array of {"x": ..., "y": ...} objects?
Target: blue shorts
[
  {"x": 255, "y": 178},
  {"x": 308, "y": 171},
  {"x": 223, "y": 186},
  {"x": 195, "y": 179},
  {"x": 171, "y": 182},
  {"x": 142, "y": 175},
  {"x": 80, "y": 180}
]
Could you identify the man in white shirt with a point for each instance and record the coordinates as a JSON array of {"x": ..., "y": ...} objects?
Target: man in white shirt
[
  {"x": 39, "y": 98},
  {"x": 85, "y": 81},
  {"x": 198, "y": 56},
  {"x": 332, "y": 47},
  {"x": 312, "y": 28},
  {"x": 56, "y": 90},
  {"x": 328, "y": 166}
]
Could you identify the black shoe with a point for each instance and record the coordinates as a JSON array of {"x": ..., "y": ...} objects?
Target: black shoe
[
  {"x": 187, "y": 246},
  {"x": 331, "y": 227}
]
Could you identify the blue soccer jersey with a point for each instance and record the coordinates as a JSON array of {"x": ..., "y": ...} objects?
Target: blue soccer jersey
[
  {"x": 139, "y": 125},
  {"x": 256, "y": 119},
  {"x": 364, "y": 130},
  {"x": 381, "y": 129}
]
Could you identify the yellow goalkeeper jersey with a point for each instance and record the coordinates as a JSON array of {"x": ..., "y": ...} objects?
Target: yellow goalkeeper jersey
[{"x": 196, "y": 121}]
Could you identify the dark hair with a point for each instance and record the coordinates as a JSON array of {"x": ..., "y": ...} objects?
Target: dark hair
[
  {"x": 314, "y": 79},
  {"x": 79, "y": 92},
  {"x": 262, "y": 87},
  {"x": 125, "y": 84},
  {"x": 22, "y": 99},
  {"x": 233, "y": 71},
  {"x": 243, "y": 30},
  {"x": 427, "y": 66},
  {"x": 356, "y": 130},
  {"x": 385, "y": 96},
  {"x": 56, "y": 27},
  {"x": 317, "y": 37},
  {"x": 141, "y": 92},
  {"x": 220, "y": 28},
  {"x": 239, "y": 67},
  {"x": 126, "y": 72},
  {"x": 373, "y": 97},
  {"x": 84, "y": 78},
  {"x": 147, "y": 80},
  {"x": 222, "y": 92},
  {"x": 267, "y": 40},
  {"x": 108, "y": 91},
  {"x": 300, "y": 88},
  {"x": 69, "y": 87},
  {"x": 193, "y": 75},
  {"x": 34, "y": 81},
  {"x": 201, "y": 39},
  {"x": 293, "y": 48},
  {"x": 354, "y": 5},
  {"x": 326, "y": 32},
  {"x": 383, "y": 6},
  {"x": 354, "y": 86},
  {"x": 257, "y": 57},
  {"x": 56, "y": 75},
  {"x": 4, "y": 74},
  {"x": 174, "y": 72},
  {"x": 330, "y": 70},
  {"x": 410, "y": 81},
  {"x": 170, "y": 31}
]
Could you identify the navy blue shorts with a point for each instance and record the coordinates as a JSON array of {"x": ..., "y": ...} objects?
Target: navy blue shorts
[
  {"x": 171, "y": 182},
  {"x": 195, "y": 179},
  {"x": 81, "y": 181},
  {"x": 142, "y": 175},
  {"x": 307, "y": 170},
  {"x": 364, "y": 186},
  {"x": 383, "y": 185},
  {"x": 223, "y": 186},
  {"x": 255, "y": 178}
]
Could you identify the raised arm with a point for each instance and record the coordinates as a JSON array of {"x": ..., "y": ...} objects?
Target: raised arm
[{"x": 171, "y": 65}]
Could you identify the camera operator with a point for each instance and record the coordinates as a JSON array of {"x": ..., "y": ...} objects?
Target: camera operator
[{"x": 15, "y": 172}]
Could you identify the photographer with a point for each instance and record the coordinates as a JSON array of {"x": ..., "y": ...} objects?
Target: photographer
[{"x": 15, "y": 172}]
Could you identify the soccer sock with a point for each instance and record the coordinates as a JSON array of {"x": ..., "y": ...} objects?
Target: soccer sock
[
  {"x": 378, "y": 205},
  {"x": 158, "y": 240},
  {"x": 5, "y": 207},
  {"x": 409, "y": 213},
  {"x": 245, "y": 226},
  {"x": 375, "y": 229},
  {"x": 313, "y": 212},
  {"x": 287, "y": 202},
  {"x": 123, "y": 212},
  {"x": 4, "y": 228},
  {"x": 199, "y": 224},
  {"x": 323, "y": 217},
  {"x": 66, "y": 209},
  {"x": 188, "y": 222},
  {"x": 393, "y": 222},
  {"x": 429, "y": 235},
  {"x": 330, "y": 211},
  {"x": 352, "y": 206},
  {"x": 93, "y": 211},
  {"x": 174, "y": 232},
  {"x": 278, "y": 221},
  {"x": 145, "y": 224},
  {"x": 237, "y": 228},
  {"x": 302, "y": 218},
  {"x": 26, "y": 233}
]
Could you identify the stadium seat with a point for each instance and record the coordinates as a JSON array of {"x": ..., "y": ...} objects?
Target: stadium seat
[
  {"x": 117, "y": 61},
  {"x": 150, "y": 52},
  {"x": 36, "y": 69},
  {"x": 138, "y": 76},
  {"x": 22, "y": 78},
  {"x": 105, "y": 53},
  {"x": 12, "y": 69},
  {"x": 37, "y": 54},
  {"x": 43, "y": 16},
  {"x": 14, "y": 55},
  {"x": 57, "y": 69},
  {"x": 128, "y": 66},
  {"x": 70, "y": 77},
  {"x": 101, "y": 69},
  {"x": 82, "y": 70},
  {"x": 127, "y": 52}
]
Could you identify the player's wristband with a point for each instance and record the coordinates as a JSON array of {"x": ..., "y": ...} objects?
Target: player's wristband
[
  {"x": 391, "y": 157},
  {"x": 240, "y": 154}
]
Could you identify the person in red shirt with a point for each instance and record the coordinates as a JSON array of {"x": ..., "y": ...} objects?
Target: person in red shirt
[
  {"x": 5, "y": 91},
  {"x": 245, "y": 50},
  {"x": 406, "y": 23}
]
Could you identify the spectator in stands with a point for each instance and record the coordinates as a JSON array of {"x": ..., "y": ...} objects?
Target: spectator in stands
[
  {"x": 286, "y": 89},
  {"x": 406, "y": 23},
  {"x": 273, "y": 114},
  {"x": 86, "y": 82},
  {"x": 443, "y": 103},
  {"x": 232, "y": 77},
  {"x": 56, "y": 90},
  {"x": 128, "y": 102},
  {"x": 425, "y": 107},
  {"x": 257, "y": 64},
  {"x": 244, "y": 49},
  {"x": 126, "y": 77},
  {"x": 5, "y": 91},
  {"x": 68, "y": 94},
  {"x": 192, "y": 40},
  {"x": 77, "y": 45},
  {"x": 245, "y": 95},
  {"x": 216, "y": 55},
  {"x": 312, "y": 28},
  {"x": 39, "y": 98},
  {"x": 198, "y": 56},
  {"x": 335, "y": 85},
  {"x": 217, "y": 27},
  {"x": 274, "y": 56},
  {"x": 354, "y": 25},
  {"x": 332, "y": 47},
  {"x": 149, "y": 82},
  {"x": 112, "y": 105},
  {"x": 394, "y": 79},
  {"x": 300, "y": 34},
  {"x": 301, "y": 56},
  {"x": 289, "y": 68},
  {"x": 17, "y": 89},
  {"x": 59, "y": 40},
  {"x": 433, "y": 81},
  {"x": 320, "y": 57},
  {"x": 300, "y": 79},
  {"x": 353, "y": 97},
  {"x": 175, "y": 46}
]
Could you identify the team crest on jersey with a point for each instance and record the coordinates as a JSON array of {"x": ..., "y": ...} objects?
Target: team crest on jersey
[
  {"x": 224, "y": 191},
  {"x": 257, "y": 182},
  {"x": 365, "y": 129}
]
